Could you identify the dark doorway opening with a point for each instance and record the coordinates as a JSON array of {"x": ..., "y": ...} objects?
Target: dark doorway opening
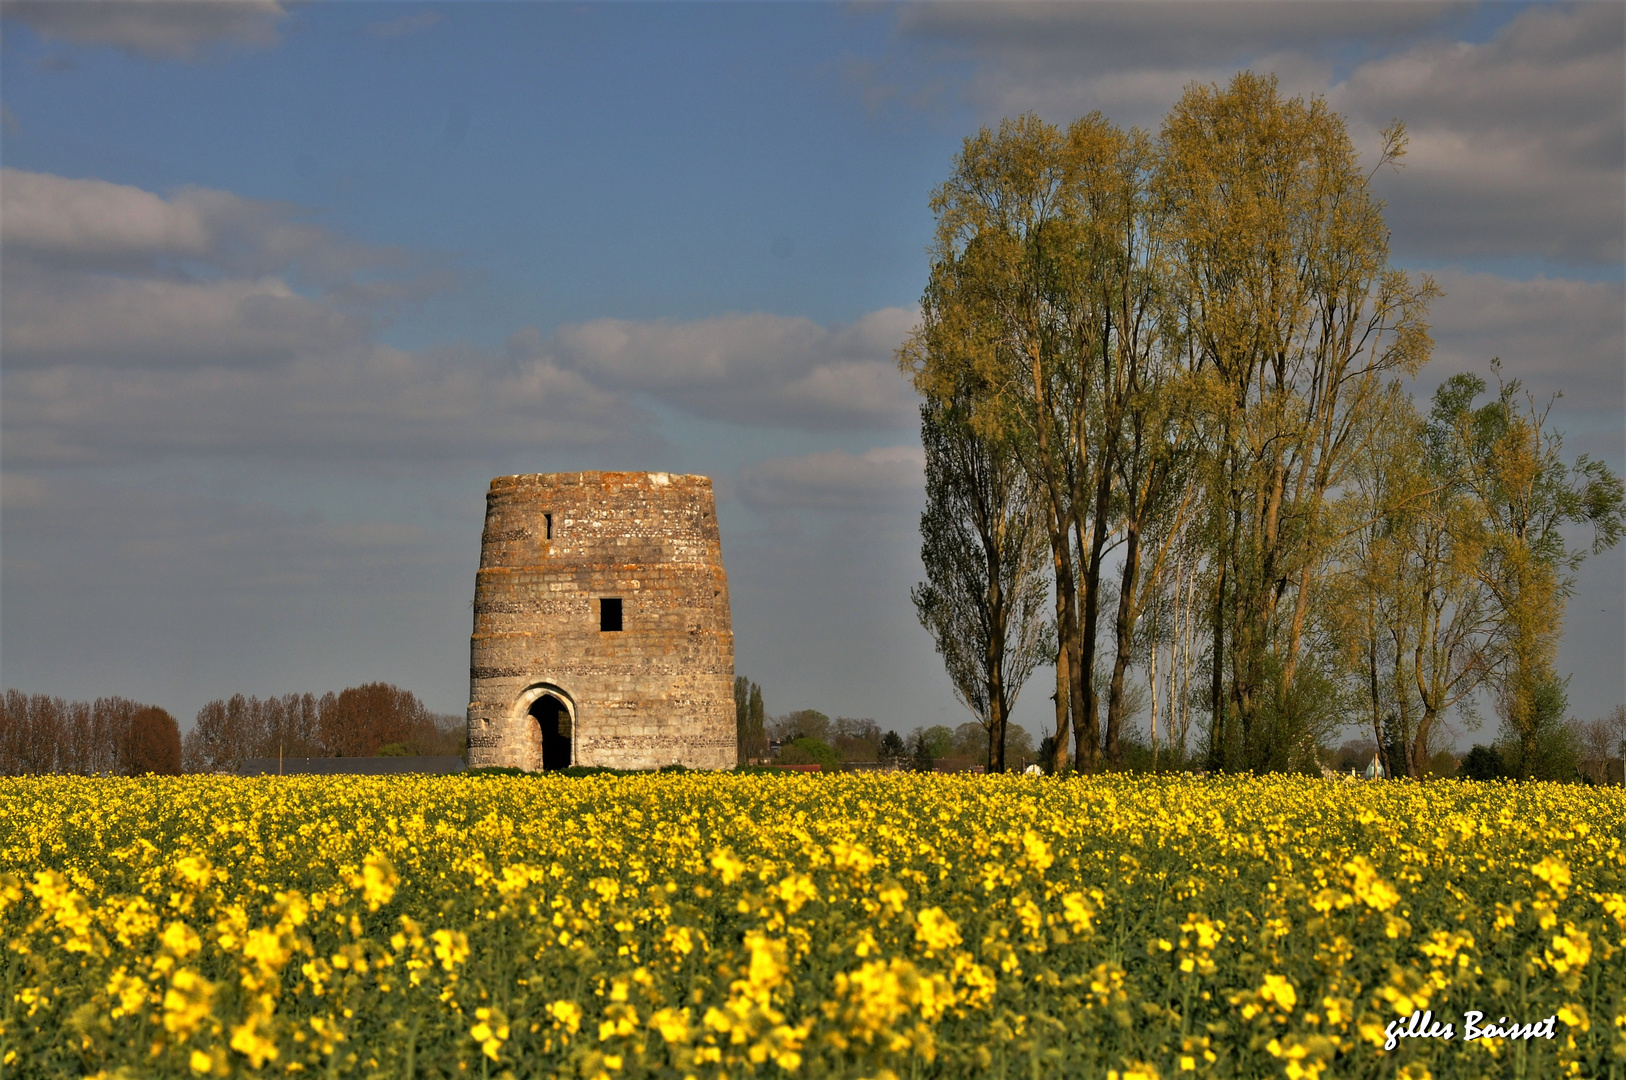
[{"x": 554, "y": 719}]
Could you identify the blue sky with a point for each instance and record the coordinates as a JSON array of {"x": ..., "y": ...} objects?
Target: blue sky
[{"x": 285, "y": 286}]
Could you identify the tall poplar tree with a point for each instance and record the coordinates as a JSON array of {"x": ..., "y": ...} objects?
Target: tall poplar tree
[
  {"x": 1042, "y": 283},
  {"x": 750, "y": 734},
  {"x": 1278, "y": 257},
  {"x": 984, "y": 598},
  {"x": 995, "y": 314}
]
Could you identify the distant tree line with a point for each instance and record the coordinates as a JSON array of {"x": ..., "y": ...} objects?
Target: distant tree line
[
  {"x": 809, "y": 737},
  {"x": 116, "y": 736},
  {"x": 1164, "y": 392},
  {"x": 110, "y": 736},
  {"x": 362, "y": 721}
]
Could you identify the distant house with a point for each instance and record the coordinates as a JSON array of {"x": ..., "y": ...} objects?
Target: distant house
[{"x": 349, "y": 766}]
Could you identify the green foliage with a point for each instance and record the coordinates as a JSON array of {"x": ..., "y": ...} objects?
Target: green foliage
[
  {"x": 803, "y": 724},
  {"x": 1553, "y": 752},
  {"x": 1482, "y": 763},
  {"x": 984, "y": 600},
  {"x": 1526, "y": 496},
  {"x": 749, "y": 721},
  {"x": 856, "y": 739},
  {"x": 1442, "y": 765},
  {"x": 927, "y": 745},
  {"x": 805, "y": 750},
  {"x": 1192, "y": 346}
]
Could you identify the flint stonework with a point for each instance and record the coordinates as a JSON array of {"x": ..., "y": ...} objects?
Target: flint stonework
[{"x": 551, "y": 682}]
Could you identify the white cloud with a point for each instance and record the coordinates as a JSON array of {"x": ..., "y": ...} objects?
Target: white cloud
[
  {"x": 1131, "y": 60},
  {"x": 1517, "y": 142},
  {"x": 198, "y": 324},
  {"x": 203, "y": 325},
  {"x": 54, "y": 318},
  {"x": 882, "y": 478},
  {"x": 90, "y": 225},
  {"x": 47, "y": 215},
  {"x": 755, "y": 369},
  {"x": 112, "y": 275},
  {"x": 365, "y": 404},
  {"x": 160, "y": 31}
]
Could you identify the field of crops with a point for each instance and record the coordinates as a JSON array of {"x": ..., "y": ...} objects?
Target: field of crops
[{"x": 853, "y": 925}]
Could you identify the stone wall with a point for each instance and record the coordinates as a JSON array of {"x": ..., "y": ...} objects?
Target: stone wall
[{"x": 658, "y": 691}]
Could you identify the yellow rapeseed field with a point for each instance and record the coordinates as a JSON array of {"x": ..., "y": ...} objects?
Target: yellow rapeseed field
[{"x": 855, "y": 925}]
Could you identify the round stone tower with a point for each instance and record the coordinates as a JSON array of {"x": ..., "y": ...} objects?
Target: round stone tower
[{"x": 601, "y": 625}]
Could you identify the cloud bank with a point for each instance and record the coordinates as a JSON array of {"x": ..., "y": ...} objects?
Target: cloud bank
[
  {"x": 882, "y": 478},
  {"x": 139, "y": 326},
  {"x": 157, "y": 31},
  {"x": 1524, "y": 130}
]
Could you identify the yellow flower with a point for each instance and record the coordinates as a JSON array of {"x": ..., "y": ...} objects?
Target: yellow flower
[
  {"x": 451, "y": 947},
  {"x": 1368, "y": 887},
  {"x": 181, "y": 940},
  {"x": 567, "y": 1014},
  {"x": 724, "y": 862},
  {"x": 187, "y": 1003},
  {"x": 249, "y": 1038},
  {"x": 1279, "y": 992},
  {"x": 193, "y": 871},
  {"x": 378, "y": 880},
  {"x": 673, "y": 1024},
  {"x": 936, "y": 930},
  {"x": 490, "y": 1031},
  {"x": 1556, "y": 873},
  {"x": 1571, "y": 950},
  {"x": 1573, "y": 1014},
  {"x": 1037, "y": 852}
]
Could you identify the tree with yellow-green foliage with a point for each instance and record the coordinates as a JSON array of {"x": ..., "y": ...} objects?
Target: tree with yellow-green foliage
[
  {"x": 1198, "y": 324},
  {"x": 1420, "y": 631},
  {"x": 750, "y": 734},
  {"x": 1045, "y": 293},
  {"x": 1193, "y": 345},
  {"x": 1511, "y": 469},
  {"x": 1279, "y": 267}
]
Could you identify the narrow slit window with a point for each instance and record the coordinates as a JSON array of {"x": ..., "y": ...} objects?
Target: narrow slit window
[
  {"x": 548, "y": 520},
  {"x": 609, "y": 613}
]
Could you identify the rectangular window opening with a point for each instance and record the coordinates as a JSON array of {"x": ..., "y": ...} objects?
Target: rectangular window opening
[
  {"x": 548, "y": 518},
  {"x": 609, "y": 613}
]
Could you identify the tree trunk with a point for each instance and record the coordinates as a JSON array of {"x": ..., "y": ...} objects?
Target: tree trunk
[
  {"x": 1219, "y": 736},
  {"x": 1125, "y": 629},
  {"x": 1087, "y": 707},
  {"x": 1066, "y": 637}
]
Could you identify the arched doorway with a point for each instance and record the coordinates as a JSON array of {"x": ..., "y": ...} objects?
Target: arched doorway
[{"x": 553, "y": 717}]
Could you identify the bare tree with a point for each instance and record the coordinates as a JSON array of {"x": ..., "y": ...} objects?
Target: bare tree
[{"x": 153, "y": 744}]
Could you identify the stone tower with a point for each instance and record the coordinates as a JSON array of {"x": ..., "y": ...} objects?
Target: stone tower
[{"x": 601, "y": 625}]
